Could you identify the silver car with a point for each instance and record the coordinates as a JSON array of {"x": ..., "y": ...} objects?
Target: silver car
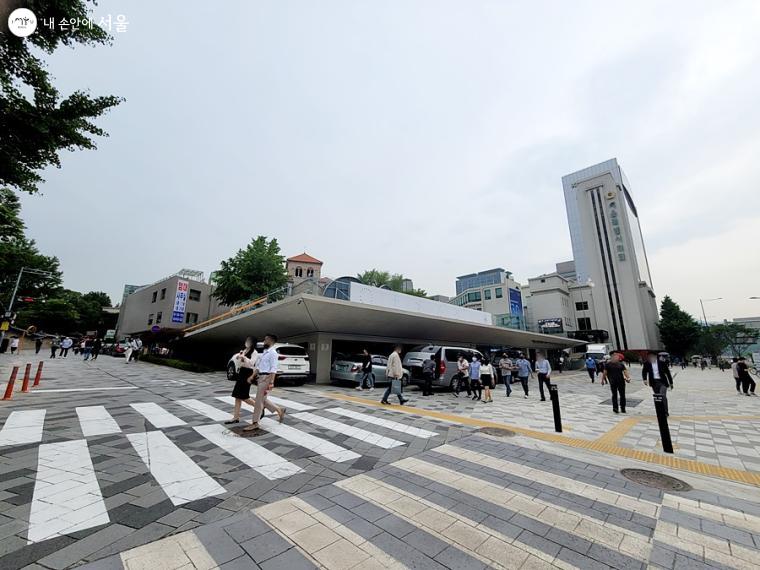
[
  {"x": 445, "y": 358},
  {"x": 349, "y": 369}
]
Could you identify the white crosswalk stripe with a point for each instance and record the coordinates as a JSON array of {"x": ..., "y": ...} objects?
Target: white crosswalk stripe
[
  {"x": 204, "y": 409},
  {"x": 156, "y": 415},
  {"x": 95, "y": 420},
  {"x": 350, "y": 431},
  {"x": 179, "y": 476},
  {"x": 66, "y": 496},
  {"x": 395, "y": 426},
  {"x": 269, "y": 464},
  {"x": 23, "y": 427},
  {"x": 325, "y": 448},
  {"x": 291, "y": 404}
]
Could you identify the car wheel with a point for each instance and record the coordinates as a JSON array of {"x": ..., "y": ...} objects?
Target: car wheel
[
  {"x": 405, "y": 380},
  {"x": 231, "y": 372}
]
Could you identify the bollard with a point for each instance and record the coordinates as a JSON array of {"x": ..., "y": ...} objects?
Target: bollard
[
  {"x": 662, "y": 420},
  {"x": 27, "y": 372},
  {"x": 38, "y": 376},
  {"x": 554, "y": 397},
  {"x": 11, "y": 382}
]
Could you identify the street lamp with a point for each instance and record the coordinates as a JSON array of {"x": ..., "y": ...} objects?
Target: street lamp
[{"x": 702, "y": 304}]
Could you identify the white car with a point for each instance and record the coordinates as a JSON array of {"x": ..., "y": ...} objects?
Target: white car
[{"x": 292, "y": 363}]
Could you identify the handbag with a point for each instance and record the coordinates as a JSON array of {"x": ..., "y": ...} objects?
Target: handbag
[{"x": 396, "y": 386}]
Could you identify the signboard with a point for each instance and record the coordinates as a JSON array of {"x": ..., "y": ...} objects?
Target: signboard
[
  {"x": 551, "y": 326},
  {"x": 180, "y": 300},
  {"x": 110, "y": 334},
  {"x": 515, "y": 302},
  {"x": 612, "y": 211},
  {"x": 155, "y": 329}
]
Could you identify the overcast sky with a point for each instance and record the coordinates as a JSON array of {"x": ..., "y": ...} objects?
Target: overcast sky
[{"x": 422, "y": 137}]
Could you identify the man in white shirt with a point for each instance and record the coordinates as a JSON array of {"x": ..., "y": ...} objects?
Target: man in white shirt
[
  {"x": 544, "y": 371},
  {"x": 266, "y": 371},
  {"x": 463, "y": 376}
]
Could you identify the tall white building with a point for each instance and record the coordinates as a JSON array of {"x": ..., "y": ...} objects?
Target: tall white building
[{"x": 609, "y": 252}]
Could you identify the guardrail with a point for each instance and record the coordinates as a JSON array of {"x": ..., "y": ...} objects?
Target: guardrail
[{"x": 237, "y": 310}]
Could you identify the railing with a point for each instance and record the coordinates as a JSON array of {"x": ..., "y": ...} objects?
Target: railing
[{"x": 270, "y": 297}]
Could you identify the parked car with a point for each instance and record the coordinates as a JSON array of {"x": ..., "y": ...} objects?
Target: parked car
[
  {"x": 292, "y": 363},
  {"x": 445, "y": 357},
  {"x": 349, "y": 369},
  {"x": 119, "y": 348}
]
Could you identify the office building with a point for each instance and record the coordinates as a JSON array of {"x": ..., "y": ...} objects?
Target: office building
[
  {"x": 493, "y": 291},
  {"x": 170, "y": 304},
  {"x": 608, "y": 251}
]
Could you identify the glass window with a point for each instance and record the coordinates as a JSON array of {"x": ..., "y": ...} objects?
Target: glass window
[
  {"x": 159, "y": 314},
  {"x": 499, "y": 293},
  {"x": 581, "y": 306},
  {"x": 473, "y": 297},
  {"x": 487, "y": 293},
  {"x": 291, "y": 351},
  {"x": 163, "y": 293},
  {"x": 191, "y": 318},
  {"x": 380, "y": 360},
  {"x": 299, "y": 272},
  {"x": 194, "y": 295},
  {"x": 584, "y": 324},
  {"x": 150, "y": 319},
  {"x": 309, "y": 272},
  {"x": 155, "y": 294}
]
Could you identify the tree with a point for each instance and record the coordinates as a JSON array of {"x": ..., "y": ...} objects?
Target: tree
[
  {"x": 395, "y": 281},
  {"x": 36, "y": 123},
  {"x": 67, "y": 312},
  {"x": 733, "y": 336},
  {"x": 679, "y": 331},
  {"x": 253, "y": 272},
  {"x": 17, "y": 251}
]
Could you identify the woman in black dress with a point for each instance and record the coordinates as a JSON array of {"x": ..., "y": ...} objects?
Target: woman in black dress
[{"x": 246, "y": 360}]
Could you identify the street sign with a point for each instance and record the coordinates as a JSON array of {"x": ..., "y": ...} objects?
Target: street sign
[
  {"x": 110, "y": 334},
  {"x": 155, "y": 329}
]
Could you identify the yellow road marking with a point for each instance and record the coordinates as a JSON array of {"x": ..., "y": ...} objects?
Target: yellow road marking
[{"x": 601, "y": 445}]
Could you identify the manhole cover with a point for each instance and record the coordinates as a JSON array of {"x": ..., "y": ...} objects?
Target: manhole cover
[
  {"x": 656, "y": 480},
  {"x": 498, "y": 432},
  {"x": 629, "y": 402}
]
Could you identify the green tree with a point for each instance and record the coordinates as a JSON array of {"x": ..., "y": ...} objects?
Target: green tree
[
  {"x": 252, "y": 272},
  {"x": 735, "y": 337},
  {"x": 394, "y": 281},
  {"x": 679, "y": 331},
  {"x": 36, "y": 122},
  {"x": 66, "y": 312},
  {"x": 17, "y": 251}
]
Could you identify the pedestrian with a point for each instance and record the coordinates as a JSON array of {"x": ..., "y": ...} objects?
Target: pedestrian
[
  {"x": 748, "y": 384},
  {"x": 683, "y": 363},
  {"x": 487, "y": 379},
  {"x": 55, "y": 344},
  {"x": 544, "y": 371},
  {"x": 617, "y": 375},
  {"x": 524, "y": 371},
  {"x": 66, "y": 344},
  {"x": 265, "y": 375},
  {"x": 475, "y": 384},
  {"x": 394, "y": 373},
  {"x": 462, "y": 377},
  {"x": 737, "y": 378},
  {"x": 14, "y": 344},
  {"x": 81, "y": 345},
  {"x": 367, "y": 375},
  {"x": 37, "y": 345},
  {"x": 137, "y": 345},
  {"x": 97, "y": 345},
  {"x": 703, "y": 364},
  {"x": 591, "y": 368},
  {"x": 506, "y": 367},
  {"x": 656, "y": 375},
  {"x": 428, "y": 374},
  {"x": 560, "y": 364},
  {"x": 245, "y": 361},
  {"x": 128, "y": 350},
  {"x": 87, "y": 350}
]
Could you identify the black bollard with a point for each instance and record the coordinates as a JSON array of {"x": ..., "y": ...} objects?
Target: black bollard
[
  {"x": 662, "y": 421},
  {"x": 554, "y": 396}
]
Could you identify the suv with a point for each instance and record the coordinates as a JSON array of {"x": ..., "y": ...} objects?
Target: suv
[
  {"x": 445, "y": 357},
  {"x": 292, "y": 362}
]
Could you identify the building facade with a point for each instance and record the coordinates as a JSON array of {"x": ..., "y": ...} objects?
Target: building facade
[
  {"x": 608, "y": 251},
  {"x": 303, "y": 267},
  {"x": 173, "y": 303},
  {"x": 493, "y": 291}
]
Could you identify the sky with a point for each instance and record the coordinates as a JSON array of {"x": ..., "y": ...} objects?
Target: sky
[{"x": 422, "y": 137}]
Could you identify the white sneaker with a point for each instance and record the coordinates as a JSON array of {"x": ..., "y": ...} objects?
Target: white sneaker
[
  {"x": 371, "y": 389},
  {"x": 359, "y": 388},
  {"x": 525, "y": 396}
]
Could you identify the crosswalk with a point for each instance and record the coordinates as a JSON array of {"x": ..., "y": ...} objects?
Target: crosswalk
[{"x": 67, "y": 495}]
